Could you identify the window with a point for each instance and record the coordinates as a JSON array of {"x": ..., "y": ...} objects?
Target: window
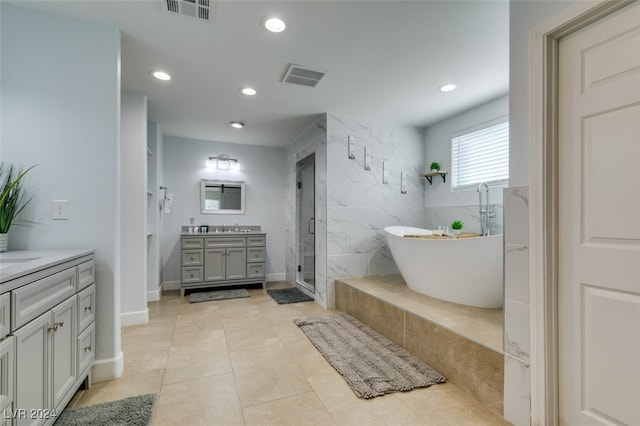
[{"x": 481, "y": 156}]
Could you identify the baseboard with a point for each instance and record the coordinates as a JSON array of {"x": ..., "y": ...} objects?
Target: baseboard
[
  {"x": 134, "y": 318},
  {"x": 171, "y": 285},
  {"x": 276, "y": 277},
  {"x": 107, "y": 369},
  {"x": 154, "y": 295}
]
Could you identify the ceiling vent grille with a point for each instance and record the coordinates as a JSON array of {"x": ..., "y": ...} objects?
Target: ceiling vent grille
[
  {"x": 201, "y": 9},
  {"x": 297, "y": 74}
]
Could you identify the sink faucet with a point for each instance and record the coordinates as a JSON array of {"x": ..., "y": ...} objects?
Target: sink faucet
[{"x": 484, "y": 210}]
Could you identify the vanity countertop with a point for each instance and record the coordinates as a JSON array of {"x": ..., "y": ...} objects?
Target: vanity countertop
[
  {"x": 16, "y": 264},
  {"x": 223, "y": 234}
]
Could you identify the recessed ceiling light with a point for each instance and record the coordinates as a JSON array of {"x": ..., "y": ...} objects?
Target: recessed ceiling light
[
  {"x": 236, "y": 124},
  {"x": 275, "y": 25},
  {"x": 248, "y": 91},
  {"x": 447, "y": 88},
  {"x": 161, "y": 75}
]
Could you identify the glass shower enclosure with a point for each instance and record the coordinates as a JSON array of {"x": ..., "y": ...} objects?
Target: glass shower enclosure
[{"x": 306, "y": 224}]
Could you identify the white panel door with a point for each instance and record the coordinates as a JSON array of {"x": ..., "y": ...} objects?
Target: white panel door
[{"x": 599, "y": 222}]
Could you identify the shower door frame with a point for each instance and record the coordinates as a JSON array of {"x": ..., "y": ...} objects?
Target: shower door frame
[{"x": 304, "y": 225}]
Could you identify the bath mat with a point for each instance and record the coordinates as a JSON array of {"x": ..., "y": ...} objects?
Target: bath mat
[
  {"x": 370, "y": 363},
  {"x": 133, "y": 411},
  {"x": 288, "y": 295},
  {"x": 208, "y": 296}
]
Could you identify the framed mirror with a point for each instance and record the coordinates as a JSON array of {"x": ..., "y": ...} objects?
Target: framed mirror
[{"x": 222, "y": 196}]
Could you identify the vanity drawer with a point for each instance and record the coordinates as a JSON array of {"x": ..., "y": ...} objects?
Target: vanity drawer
[
  {"x": 86, "y": 307},
  {"x": 32, "y": 300},
  {"x": 192, "y": 243},
  {"x": 191, "y": 257},
  {"x": 257, "y": 241},
  {"x": 5, "y": 315},
  {"x": 86, "y": 274},
  {"x": 256, "y": 270},
  {"x": 256, "y": 254},
  {"x": 191, "y": 274},
  {"x": 225, "y": 242},
  {"x": 86, "y": 348}
]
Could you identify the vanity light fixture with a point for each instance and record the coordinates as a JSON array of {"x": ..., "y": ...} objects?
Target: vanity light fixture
[
  {"x": 161, "y": 75},
  {"x": 447, "y": 87},
  {"x": 236, "y": 124},
  {"x": 249, "y": 91},
  {"x": 273, "y": 24},
  {"x": 223, "y": 162}
]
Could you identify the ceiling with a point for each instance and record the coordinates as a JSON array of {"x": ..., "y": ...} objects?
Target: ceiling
[{"x": 384, "y": 60}]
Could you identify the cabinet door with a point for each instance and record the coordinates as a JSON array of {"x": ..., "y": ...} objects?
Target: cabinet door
[
  {"x": 7, "y": 372},
  {"x": 236, "y": 263},
  {"x": 214, "y": 264},
  {"x": 63, "y": 350},
  {"x": 32, "y": 368}
]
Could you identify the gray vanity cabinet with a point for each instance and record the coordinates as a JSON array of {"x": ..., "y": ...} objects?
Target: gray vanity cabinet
[
  {"x": 220, "y": 260},
  {"x": 7, "y": 368},
  {"x": 47, "y": 367},
  {"x": 52, "y": 313}
]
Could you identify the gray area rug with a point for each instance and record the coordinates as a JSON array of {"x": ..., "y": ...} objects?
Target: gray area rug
[
  {"x": 207, "y": 296},
  {"x": 288, "y": 295},
  {"x": 133, "y": 411},
  {"x": 371, "y": 364}
]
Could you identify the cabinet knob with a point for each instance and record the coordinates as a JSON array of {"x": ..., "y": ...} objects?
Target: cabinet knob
[
  {"x": 87, "y": 308},
  {"x": 87, "y": 349}
]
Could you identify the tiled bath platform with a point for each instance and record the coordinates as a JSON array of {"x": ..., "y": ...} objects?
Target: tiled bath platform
[{"x": 463, "y": 343}]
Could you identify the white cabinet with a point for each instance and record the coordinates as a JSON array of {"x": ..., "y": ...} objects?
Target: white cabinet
[
  {"x": 51, "y": 348},
  {"x": 214, "y": 260}
]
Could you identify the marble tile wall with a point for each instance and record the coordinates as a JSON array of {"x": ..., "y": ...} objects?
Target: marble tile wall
[
  {"x": 517, "y": 402},
  {"x": 314, "y": 140},
  {"x": 359, "y": 204}
]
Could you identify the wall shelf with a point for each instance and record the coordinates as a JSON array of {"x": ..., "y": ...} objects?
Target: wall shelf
[{"x": 429, "y": 176}]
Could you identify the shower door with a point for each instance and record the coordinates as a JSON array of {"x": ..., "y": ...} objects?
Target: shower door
[{"x": 306, "y": 224}]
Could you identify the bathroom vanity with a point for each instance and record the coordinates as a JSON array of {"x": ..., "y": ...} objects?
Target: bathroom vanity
[
  {"x": 47, "y": 332},
  {"x": 219, "y": 259}
]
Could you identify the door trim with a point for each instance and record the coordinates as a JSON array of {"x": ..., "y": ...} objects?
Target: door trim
[{"x": 543, "y": 225}]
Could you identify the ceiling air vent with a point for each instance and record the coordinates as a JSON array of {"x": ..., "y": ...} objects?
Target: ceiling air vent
[
  {"x": 201, "y": 9},
  {"x": 297, "y": 74}
]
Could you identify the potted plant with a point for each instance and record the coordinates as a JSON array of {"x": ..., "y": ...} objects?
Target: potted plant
[
  {"x": 12, "y": 199},
  {"x": 435, "y": 167},
  {"x": 457, "y": 226}
]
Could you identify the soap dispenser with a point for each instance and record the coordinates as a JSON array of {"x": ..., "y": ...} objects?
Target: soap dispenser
[{"x": 237, "y": 229}]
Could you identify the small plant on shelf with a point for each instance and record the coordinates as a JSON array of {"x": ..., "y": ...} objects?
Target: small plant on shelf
[
  {"x": 435, "y": 167},
  {"x": 457, "y": 226}
]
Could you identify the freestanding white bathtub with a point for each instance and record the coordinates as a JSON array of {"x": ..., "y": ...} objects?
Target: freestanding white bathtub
[{"x": 466, "y": 270}]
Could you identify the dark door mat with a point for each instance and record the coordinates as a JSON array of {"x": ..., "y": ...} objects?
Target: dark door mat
[
  {"x": 208, "y": 296},
  {"x": 289, "y": 295}
]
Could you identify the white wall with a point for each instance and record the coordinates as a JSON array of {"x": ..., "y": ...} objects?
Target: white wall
[
  {"x": 441, "y": 203},
  {"x": 60, "y": 108},
  {"x": 133, "y": 247},
  {"x": 263, "y": 170}
]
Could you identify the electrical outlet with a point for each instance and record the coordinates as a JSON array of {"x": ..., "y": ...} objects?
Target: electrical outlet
[{"x": 60, "y": 209}]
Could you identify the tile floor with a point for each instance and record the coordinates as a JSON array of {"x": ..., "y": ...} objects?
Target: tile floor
[{"x": 244, "y": 362}]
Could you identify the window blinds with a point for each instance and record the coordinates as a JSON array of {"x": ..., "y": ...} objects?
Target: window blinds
[{"x": 481, "y": 156}]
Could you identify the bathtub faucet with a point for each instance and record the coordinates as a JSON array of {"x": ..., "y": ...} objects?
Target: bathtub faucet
[{"x": 484, "y": 210}]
